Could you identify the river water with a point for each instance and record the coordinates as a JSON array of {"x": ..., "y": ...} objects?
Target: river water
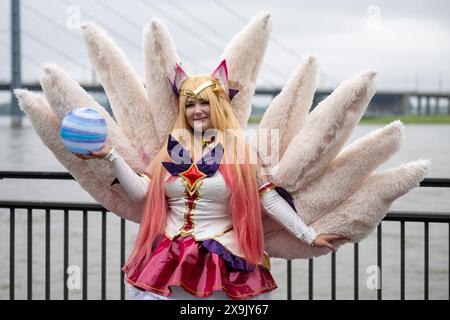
[{"x": 22, "y": 150}]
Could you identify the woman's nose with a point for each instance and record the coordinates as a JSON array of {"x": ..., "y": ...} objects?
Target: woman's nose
[{"x": 198, "y": 108}]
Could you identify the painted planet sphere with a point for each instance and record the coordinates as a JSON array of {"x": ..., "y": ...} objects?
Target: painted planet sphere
[{"x": 83, "y": 129}]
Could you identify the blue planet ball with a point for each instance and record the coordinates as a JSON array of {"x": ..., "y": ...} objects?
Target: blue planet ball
[{"x": 83, "y": 129}]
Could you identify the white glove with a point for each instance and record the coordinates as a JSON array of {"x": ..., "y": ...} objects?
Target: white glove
[
  {"x": 135, "y": 185},
  {"x": 280, "y": 210}
]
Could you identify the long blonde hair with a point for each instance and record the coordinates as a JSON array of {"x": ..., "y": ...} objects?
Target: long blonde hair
[{"x": 236, "y": 167}]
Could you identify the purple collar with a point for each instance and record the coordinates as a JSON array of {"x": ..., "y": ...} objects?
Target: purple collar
[{"x": 181, "y": 159}]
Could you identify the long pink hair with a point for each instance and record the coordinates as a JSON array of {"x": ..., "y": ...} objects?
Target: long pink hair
[{"x": 240, "y": 177}]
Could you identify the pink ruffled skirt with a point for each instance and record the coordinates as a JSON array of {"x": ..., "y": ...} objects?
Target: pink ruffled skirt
[{"x": 200, "y": 269}]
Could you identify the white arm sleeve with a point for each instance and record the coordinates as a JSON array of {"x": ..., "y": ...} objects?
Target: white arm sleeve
[
  {"x": 280, "y": 210},
  {"x": 134, "y": 184}
]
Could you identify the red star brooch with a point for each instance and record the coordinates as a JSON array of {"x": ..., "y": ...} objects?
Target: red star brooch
[{"x": 192, "y": 178}]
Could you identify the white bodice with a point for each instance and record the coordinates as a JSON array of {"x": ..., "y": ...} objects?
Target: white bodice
[
  {"x": 210, "y": 207},
  {"x": 210, "y": 212}
]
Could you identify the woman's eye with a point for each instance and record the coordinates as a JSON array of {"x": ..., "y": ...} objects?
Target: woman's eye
[
  {"x": 204, "y": 102},
  {"x": 189, "y": 105}
]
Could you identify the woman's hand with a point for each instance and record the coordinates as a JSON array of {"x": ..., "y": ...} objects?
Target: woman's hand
[
  {"x": 94, "y": 155},
  {"x": 325, "y": 240}
]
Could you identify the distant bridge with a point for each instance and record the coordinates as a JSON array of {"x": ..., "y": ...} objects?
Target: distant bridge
[{"x": 383, "y": 103}]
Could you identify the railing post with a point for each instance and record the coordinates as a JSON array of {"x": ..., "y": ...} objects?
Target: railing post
[
  {"x": 402, "y": 260},
  {"x": 379, "y": 260},
  {"x": 12, "y": 258},
  {"x": 356, "y": 271},
  {"x": 66, "y": 254},
  {"x": 333, "y": 276},
  {"x": 103, "y": 255},
  {"x": 47, "y": 254},
  {"x": 29, "y": 254},
  {"x": 311, "y": 276},
  {"x": 426, "y": 286},
  {"x": 289, "y": 279},
  {"x": 85, "y": 256},
  {"x": 122, "y": 258}
]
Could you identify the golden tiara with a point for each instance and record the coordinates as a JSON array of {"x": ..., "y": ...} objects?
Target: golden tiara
[{"x": 203, "y": 86}]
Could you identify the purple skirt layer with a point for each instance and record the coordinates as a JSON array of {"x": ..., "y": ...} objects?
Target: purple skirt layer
[{"x": 232, "y": 261}]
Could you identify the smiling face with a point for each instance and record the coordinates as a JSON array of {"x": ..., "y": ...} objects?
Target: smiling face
[{"x": 198, "y": 113}]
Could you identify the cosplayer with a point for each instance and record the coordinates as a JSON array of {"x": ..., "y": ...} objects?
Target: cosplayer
[
  {"x": 212, "y": 232},
  {"x": 209, "y": 222}
]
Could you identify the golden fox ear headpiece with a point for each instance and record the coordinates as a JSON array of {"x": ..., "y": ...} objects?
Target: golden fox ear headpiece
[{"x": 220, "y": 80}]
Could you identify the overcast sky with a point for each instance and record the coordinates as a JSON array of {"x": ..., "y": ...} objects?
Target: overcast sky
[{"x": 407, "y": 42}]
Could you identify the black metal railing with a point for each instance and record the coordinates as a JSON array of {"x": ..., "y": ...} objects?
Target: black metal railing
[
  {"x": 65, "y": 208},
  {"x": 399, "y": 216}
]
